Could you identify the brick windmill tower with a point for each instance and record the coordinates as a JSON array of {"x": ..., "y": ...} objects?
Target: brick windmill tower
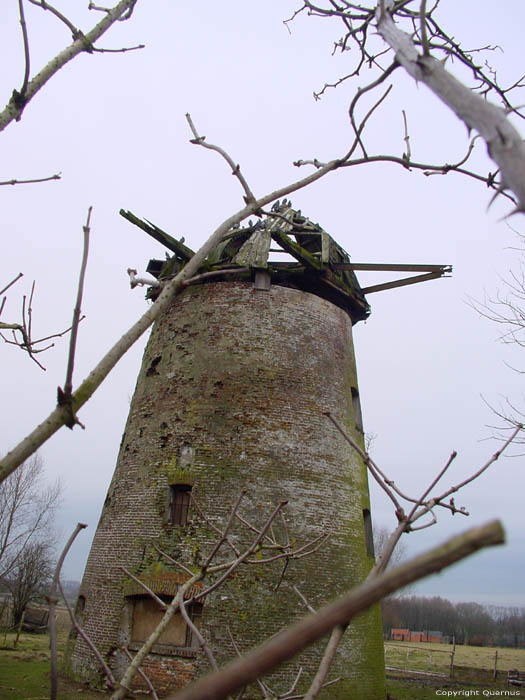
[{"x": 234, "y": 380}]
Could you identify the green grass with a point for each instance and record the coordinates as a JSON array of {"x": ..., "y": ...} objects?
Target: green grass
[
  {"x": 436, "y": 657},
  {"x": 401, "y": 689},
  {"x": 405, "y": 690},
  {"x": 24, "y": 671}
]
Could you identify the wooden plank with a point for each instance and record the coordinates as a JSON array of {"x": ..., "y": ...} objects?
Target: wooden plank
[
  {"x": 391, "y": 267},
  {"x": 325, "y": 248},
  {"x": 297, "y": 251},
  {"x": 254, "y": 252},
  {"x": 402, "y": 283},
  {"x": 286, "y": 265},
  {"x": 159, "y": 235}
]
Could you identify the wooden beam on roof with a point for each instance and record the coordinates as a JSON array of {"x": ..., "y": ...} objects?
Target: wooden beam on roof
[
  {"x": 392, "y": 267},
  {"x": 254, "y": 251},
  {"x": 284, "y": 265},
  {"x": 159, "y": 235},
  {"x": 296, "y": 250},
  {"x": 325, "y": 248},
  {"x": 402, "y": 283}
]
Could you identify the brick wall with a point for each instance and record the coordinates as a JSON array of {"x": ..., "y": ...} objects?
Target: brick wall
[{"x": 229, "y": 397}]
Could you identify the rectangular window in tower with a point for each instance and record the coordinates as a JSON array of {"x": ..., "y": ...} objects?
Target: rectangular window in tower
[
  {"x": 147, "y": 614},
  {"x": 356, "y": 405},
  {"x": 369, "y": 535},
  {"x": 179, "y": 504}
]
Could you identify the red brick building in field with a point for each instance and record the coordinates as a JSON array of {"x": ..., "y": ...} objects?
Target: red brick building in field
[
  {"x": 405, "y": 635},
  {"x": 399, "y": 634}
]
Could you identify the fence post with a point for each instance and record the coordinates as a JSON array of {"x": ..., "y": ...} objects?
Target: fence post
[
  {"x": 452, "y": 654},
  {"x": 495, "y": 665}
]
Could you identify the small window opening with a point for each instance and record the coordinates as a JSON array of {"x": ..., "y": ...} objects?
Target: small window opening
[
  {"x": 356, "y": 405},
  {"x": 369, "y": 536},
  {"x": 180, "y": 495},
  {"x": 79, "y": 615}
]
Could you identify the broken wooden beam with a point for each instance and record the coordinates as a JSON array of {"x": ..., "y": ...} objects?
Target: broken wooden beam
[{"x": 177, "y": 247}]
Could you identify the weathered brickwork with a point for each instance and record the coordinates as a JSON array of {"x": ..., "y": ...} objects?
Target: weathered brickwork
[{"x": 230, "y": 397}]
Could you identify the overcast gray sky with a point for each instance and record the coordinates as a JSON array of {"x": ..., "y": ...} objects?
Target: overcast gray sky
[{"x": 114, "y": 126}]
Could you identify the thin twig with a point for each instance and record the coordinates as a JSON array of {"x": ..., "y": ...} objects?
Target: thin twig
[
  {"x": 227, "y": 527},
  {"x": 195, "y": 631},
  {"x": 142, "y": 675},
  {"x": 56, "y": 176},
  {"x": 13, "y": 281},
  {"x": 305, "y": 601},
  {"x": 65, "y": 396},
  {"x": 211, "y": 525},
  {"x": 406, "y": 138},
  {"x": 27, "y": 68},
  {"x": 46, "y": 6},
  {"x": 68, "y": 384},
  {"x": 487, "y": 464},
  {"x": 318, "y": 682},
  {"x": 124, "y": 49},
  {"x": 148, "y": 590},
  {"x": 243, "y": 556},
  {"x": 173, "y": 561},
  {"x": 423, "y": 27},
  {"x": 198, "y": 140}
]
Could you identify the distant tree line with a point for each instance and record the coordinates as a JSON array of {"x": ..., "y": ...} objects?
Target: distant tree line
[{"x": 468, "y": 623}]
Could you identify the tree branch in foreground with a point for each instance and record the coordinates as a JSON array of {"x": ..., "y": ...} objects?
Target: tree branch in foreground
[
  {"x": 505, "y": 145},
  {"x": 82, "y": 42},
  {"x": 263, "y": 659}
]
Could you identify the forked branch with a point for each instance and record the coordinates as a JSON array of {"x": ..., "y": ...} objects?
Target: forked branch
[{"x": 262, "y": 660}]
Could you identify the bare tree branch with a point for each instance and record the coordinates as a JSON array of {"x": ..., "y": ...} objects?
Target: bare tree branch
[
  {"x": 56, "y": 176},
  {"x": 65, "y": 396},
  {"x": 13, "y": 281},
  {"x": 76, "y": 33},
  {"x": 142, "y": 675},
  {"x": 27, "y": 67},
  {"x": 196, "y": 632},
  {"x": 505, "y": 145},
  {"x": 249, "y": 197},
  {"x": 83, "y": 42}
]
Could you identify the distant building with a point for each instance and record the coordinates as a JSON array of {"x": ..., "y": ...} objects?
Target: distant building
[
  {"x": 400, "y": 635},
  {"x": 405, "y": 635}
]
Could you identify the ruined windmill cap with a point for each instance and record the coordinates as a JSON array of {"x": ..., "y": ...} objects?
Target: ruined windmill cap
[{"x": 319, "y": 266}]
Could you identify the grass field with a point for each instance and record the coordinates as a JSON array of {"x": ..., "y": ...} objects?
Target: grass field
[
  {"x": 24, "y": 671},
  {"x": 436, "y": 657}
]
